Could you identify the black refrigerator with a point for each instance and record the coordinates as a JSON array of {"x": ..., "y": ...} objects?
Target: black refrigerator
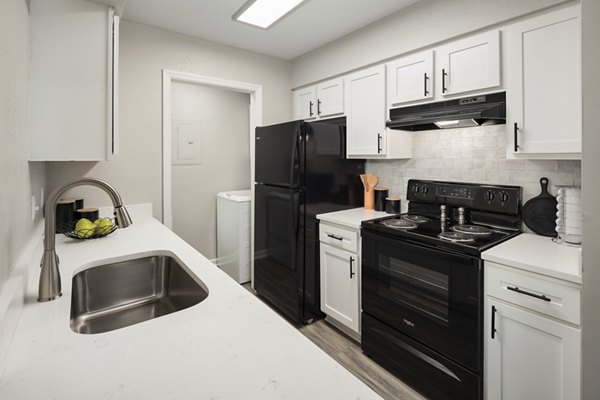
[{"x": 300, "y": 171}]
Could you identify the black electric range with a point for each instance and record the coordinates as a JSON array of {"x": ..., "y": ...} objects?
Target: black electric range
[
  {"x": 427, "y": 230},
  {"x": 422, "y": 284}
]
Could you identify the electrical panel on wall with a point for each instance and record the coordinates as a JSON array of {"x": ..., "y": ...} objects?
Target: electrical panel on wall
[{"x": 187, "y": 142}]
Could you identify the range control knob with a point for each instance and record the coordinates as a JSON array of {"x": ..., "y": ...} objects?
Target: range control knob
[
  {"x": 489, "y": 195},
  {"x": 504, "y": 197},
  {"x": 415, "y": 189},
  {"x": 425, "y": 189}
]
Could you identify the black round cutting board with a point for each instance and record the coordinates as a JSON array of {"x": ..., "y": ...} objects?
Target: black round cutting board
[{"x": 539, "y": 213}]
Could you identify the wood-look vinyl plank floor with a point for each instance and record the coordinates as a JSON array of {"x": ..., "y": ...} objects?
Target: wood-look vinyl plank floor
[{"x": 348, "y": 354}]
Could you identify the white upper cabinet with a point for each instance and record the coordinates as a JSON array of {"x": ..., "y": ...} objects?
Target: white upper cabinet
[
  {"x": 323, "y": 100},
  {"x": 330, "y": 98},
  {"x": 470, "y": 64},
  {"x": 73, "y": 81},
  {"x": 365, "y": 112},
  {"x": 410, "y": 79},
  {"x": 544, "y": 81},
  {"x": 304, "y": 103}
]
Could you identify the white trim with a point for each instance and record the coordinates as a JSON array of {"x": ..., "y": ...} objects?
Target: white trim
[{"x": 255, "y": 92}]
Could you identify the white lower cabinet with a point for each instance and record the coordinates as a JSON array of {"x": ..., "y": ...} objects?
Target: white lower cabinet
[
  {"x": 339, "y": 285},
  {"x": 530, "y": 356},
  {"x": 340, "y": 275},
  {"x": 528, "y": 353}
]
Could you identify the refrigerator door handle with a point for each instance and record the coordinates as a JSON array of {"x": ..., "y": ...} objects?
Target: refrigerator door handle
[{"x": 294, "y": 159}]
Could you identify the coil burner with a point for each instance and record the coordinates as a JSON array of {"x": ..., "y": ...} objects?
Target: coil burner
[
  {"x": 417, "y": 219},
  {"x": 477, "y": 230},
  {"x": 398, "y": 223},
  {"x": 456, "y": 237}
]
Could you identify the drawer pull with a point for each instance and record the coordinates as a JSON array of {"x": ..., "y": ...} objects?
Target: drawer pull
[
  {"x": 493, "y": 322},
  {"x": 335, "y": 237},
  {"x": 537, "y": 296}
]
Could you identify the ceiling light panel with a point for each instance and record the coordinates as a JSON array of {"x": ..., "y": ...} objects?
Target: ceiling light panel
[{"x": 264, "y": 13}]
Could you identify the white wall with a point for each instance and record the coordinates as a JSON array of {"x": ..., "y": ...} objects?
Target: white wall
[
  {"x": 419, "y": 25},
  {"x": 590, "y": 319},
  {"x": 225, "y": 160},
  {"x": 144, "y": 51},
  {"x": 18, "y": 178}
]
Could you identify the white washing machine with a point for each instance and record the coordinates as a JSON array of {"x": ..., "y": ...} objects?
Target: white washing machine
[{"x": 233, "y": 234}]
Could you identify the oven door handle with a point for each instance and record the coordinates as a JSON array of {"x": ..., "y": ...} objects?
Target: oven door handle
[{"x": 351, "y": 262}]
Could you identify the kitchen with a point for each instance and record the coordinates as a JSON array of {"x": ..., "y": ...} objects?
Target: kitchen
[{"x": 477, "y": 155}]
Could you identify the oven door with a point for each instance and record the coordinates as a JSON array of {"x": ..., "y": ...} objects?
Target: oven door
[{"x": 431, "y": 295}]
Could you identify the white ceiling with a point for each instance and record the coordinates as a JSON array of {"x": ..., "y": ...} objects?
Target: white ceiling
[{"x": 311, "y": 25}]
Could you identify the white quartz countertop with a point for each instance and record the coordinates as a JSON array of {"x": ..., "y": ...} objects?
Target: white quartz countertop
[
  {"x": 352, "y": 218},
  {"x": 229, "y": 346},
  {"x": 539, "y": 254}
]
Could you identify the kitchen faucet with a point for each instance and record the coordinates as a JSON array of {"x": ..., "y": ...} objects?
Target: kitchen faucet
[{"x": 50, "y": 288}]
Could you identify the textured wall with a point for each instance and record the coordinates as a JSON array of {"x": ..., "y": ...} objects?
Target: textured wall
[
  {"x": 18, "y": 178},
  {"x": 420, "y": 25},
  {"x": 225, "y": 143},
  {"x": 471, "y": 155},
  {"x": 144, "y": 51}
]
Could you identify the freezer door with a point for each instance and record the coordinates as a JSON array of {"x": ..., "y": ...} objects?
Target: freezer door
[
  {"x": 279, "y": 154},
  {"x": 279, "y": 248}
]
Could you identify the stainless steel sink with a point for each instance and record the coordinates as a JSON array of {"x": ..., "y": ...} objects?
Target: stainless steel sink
[{"x": 117, "y": 295}]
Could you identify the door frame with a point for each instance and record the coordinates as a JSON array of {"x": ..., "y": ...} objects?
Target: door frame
[{"x": 255, "y": 92}]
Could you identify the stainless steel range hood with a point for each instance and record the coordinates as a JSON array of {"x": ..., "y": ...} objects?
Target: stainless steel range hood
[{"x": 469, "y": 111}]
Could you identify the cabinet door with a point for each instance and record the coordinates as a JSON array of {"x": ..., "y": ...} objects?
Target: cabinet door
[
  {"x": 544, "y": 100},
  {"x": 469, "y": 64},
  {"x": 530, "y": 356},
  {"x": 305, "y": 103},
  {"x": 72, "y": 115},
  {"x": 365, "y": 112},
  {"x": 410, "y": 78},
  {"x": 339, "y": 285},
  {"x": 330, "y": 97}
]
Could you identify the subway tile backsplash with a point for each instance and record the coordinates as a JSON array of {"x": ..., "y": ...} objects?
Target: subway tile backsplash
[{"x": 475, "y": 155}]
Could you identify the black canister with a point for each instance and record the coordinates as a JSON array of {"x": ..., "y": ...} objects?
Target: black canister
[
  {"x": 89, "y": 213},
  {"x": 65, "y": 215},
  {"x": 392, "y": 205},
  {"x": 380, "y": 195}
]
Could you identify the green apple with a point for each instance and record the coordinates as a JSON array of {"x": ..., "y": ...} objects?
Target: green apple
[
  {"x": 103, "y": 226},
  {"x": 84, "y": 228}
]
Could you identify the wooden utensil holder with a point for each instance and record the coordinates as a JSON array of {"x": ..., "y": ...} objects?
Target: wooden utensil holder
[{"x": 369, "y": 199}]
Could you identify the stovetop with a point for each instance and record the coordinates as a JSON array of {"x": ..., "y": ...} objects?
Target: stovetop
[
  {"x": 428, "y": 233},
  {"x": 481, "y": 207}
]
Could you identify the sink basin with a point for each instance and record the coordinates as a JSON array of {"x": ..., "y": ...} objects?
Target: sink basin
[{"x": 116, "y": 295}]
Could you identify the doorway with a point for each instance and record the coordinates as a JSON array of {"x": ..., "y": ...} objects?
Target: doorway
[{"x": 208, "y": 147}]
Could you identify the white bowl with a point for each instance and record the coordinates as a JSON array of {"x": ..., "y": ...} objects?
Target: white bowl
[
  {"x": 569, "y": 230},
  {"x": 573, "y": 239},
  {"x": 569, "y": 208},
  {"x": 569, "y": 216},
  {"x": 569, "y": 223}
]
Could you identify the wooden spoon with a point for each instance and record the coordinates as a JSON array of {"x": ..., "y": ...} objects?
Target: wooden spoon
[
  {"x": 363, "y": 178},
  {"x": 372, "y": 181}
]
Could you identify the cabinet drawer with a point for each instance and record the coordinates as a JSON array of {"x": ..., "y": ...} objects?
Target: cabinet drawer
[
  {"x": 339, "y": 237},
  {"x": 544, "y": 295}
]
